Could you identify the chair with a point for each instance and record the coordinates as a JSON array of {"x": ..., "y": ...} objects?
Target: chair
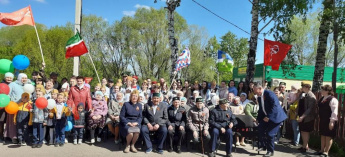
[{"x": 245, "y": 122}]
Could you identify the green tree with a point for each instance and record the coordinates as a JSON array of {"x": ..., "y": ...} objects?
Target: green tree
[
  {"x": 278, "y": 12},
  {"x": 324, "y": 31},
  {"x": 237, "y": 48}
]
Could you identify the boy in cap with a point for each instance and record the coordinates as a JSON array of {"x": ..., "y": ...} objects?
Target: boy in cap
[
  {"x": 222, "y": 125},
  {"x": 22, "y": 117}
]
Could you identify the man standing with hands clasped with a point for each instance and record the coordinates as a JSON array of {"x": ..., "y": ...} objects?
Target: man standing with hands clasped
[{"x": 270, "y": 116}]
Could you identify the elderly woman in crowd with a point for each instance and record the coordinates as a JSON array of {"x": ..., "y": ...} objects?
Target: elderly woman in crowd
[
  {"x": 130, "y": 121},
  {"x": 252, "y": 109},
  {"x": 238, "y": 109},
  {"x": 113, "y": 119},
  {"x": 243, "y": 99},
  {"x": 96, "y": 120},
  {"x": 328, "y": 113},
  {"x": 16, "y": 91}
]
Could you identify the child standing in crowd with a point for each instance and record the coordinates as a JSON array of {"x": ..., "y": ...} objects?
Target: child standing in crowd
[
  {"x": 96, "y": 119},
  {"x": 60, "y": 112},
  {"x": 39, "y": 119},
  {"x": 21, "y": 119},
  {"x": 79, "y": 124},
  {"x": 104, "y": 91},
  {"x": 54, "y": 94}
]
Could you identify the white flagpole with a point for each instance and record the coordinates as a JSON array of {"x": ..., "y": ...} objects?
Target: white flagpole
[
  {"x": 94, "y": 67},
  {"x": 39, "y": 43}
]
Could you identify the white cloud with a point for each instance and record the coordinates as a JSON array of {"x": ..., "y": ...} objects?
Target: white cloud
[
  {"x": 128, "y": 13},
  {"x": 41, "y": 1},
  {"x": 105, "y": 19},
  {"x": 4, "y": 1},
  {"x": 141, "y": 6}
]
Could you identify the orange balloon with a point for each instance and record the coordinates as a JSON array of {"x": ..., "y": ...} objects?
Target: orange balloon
[{"x": 11, "y": 108}]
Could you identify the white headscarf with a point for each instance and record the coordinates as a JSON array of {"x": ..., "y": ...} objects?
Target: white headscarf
[
  {"x": 214, "y": 100},
  {"x": 19, "y": 78}
]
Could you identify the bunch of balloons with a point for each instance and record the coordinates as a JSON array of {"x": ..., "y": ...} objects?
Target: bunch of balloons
[{"x": 20, "y": 62}]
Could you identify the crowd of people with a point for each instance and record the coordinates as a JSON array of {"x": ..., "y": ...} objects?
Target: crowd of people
[{"x": 132, "y": 110}]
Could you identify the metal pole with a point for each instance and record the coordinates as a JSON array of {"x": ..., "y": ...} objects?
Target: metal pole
[{"x": 77, "y": 27}]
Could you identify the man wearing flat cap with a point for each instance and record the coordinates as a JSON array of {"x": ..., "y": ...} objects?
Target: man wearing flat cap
[
  {"x": 221, "y": 121},
  {"x": 176, "y": 124},
  {"x": 155, "y": 120},
  {"x": 197, "y": 121}
]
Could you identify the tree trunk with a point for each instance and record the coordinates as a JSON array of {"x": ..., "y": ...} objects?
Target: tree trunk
[
  {"x": 171, "y": 32},
  {"x": 253, "y": 44},
  {"x": 335, "y": 39},
  {"x": 322, "y": 46}
]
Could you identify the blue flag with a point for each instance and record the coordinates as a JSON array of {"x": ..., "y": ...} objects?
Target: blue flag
[{"x": 224, "y": 62}]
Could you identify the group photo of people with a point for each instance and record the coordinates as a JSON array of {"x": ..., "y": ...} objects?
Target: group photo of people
[
  {"x": 159, "y": 116},
  {"x": 172, "y": 77}
]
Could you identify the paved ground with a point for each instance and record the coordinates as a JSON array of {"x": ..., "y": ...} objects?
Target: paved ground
[{"x": 108, "y": 148}]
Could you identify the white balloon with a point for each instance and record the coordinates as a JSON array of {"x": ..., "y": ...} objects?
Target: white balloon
[
  {"x": 51, "y": 104},
  {"x": 29, "y": 88}
]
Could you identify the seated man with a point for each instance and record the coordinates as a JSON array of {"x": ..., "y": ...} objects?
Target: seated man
[
  {"x": 222, "y": 120},
  {"x": 176, "y": 123},
  {"x": 155, "y": 119},
  {"x": 197, "y": 121}
]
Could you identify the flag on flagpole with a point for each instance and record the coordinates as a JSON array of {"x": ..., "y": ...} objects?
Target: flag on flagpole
[
  {"x": 183, "y": 60},
  {"x": 20, "y": 17},
  {"x": 75, "y": 46},
  {"x": 224, "y": 62},
  {"x": 274, "y": 53}
]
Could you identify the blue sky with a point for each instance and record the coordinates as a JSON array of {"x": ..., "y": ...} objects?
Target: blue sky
[{"x": 59, "y": 12}]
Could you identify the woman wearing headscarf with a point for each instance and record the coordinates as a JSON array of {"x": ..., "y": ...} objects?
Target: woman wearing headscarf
[
  {"x": 16, "y": 91},
  {"x": 8, "y": 78},
  {"x": 243, "y": 99}
]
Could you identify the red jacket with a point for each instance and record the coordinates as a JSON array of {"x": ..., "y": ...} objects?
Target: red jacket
[{"x": 76, "y": 96}]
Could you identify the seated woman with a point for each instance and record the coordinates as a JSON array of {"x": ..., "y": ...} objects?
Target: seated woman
[
  {"x": 113, "y": 119},
  {"x": 238, "y": 109},
  {"x": 96, "y": 118},
  {"x": 130, "y": 121},
  {"x": 252, "y": 109}
]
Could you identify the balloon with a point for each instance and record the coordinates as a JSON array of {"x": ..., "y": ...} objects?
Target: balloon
[
  {"x": 4, "y": 100},
  {"x": 21, "y": 62},
  {"x": 4, "y": 89},
  {"x": 6, "y": 66},
  {"x": 11, "y": 108},
  {"x": 69, "y": 126},
  {"x": 51, "y": 104},
  {"x": 29, "y": 88},
  {"x": 41, "y": 103}
]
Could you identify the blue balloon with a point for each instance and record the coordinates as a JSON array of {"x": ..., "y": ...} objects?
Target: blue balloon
[
  {"x": 21, "y": 62},
  {"x": 69, "y": 126}
]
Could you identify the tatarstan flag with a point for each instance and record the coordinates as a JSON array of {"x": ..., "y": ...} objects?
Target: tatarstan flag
[{"x": 75, "y": 46}]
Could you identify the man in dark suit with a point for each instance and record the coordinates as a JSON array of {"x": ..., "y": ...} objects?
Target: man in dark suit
[
  {"x": 222, "y": 120},
  {"x": 270, "y": 116},
  {"x": 155, "y": 120},
  {"x": 176, "y": 124}
]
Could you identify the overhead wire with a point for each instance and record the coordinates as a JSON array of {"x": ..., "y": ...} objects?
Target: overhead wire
[{"x": 223, "y": 18}]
